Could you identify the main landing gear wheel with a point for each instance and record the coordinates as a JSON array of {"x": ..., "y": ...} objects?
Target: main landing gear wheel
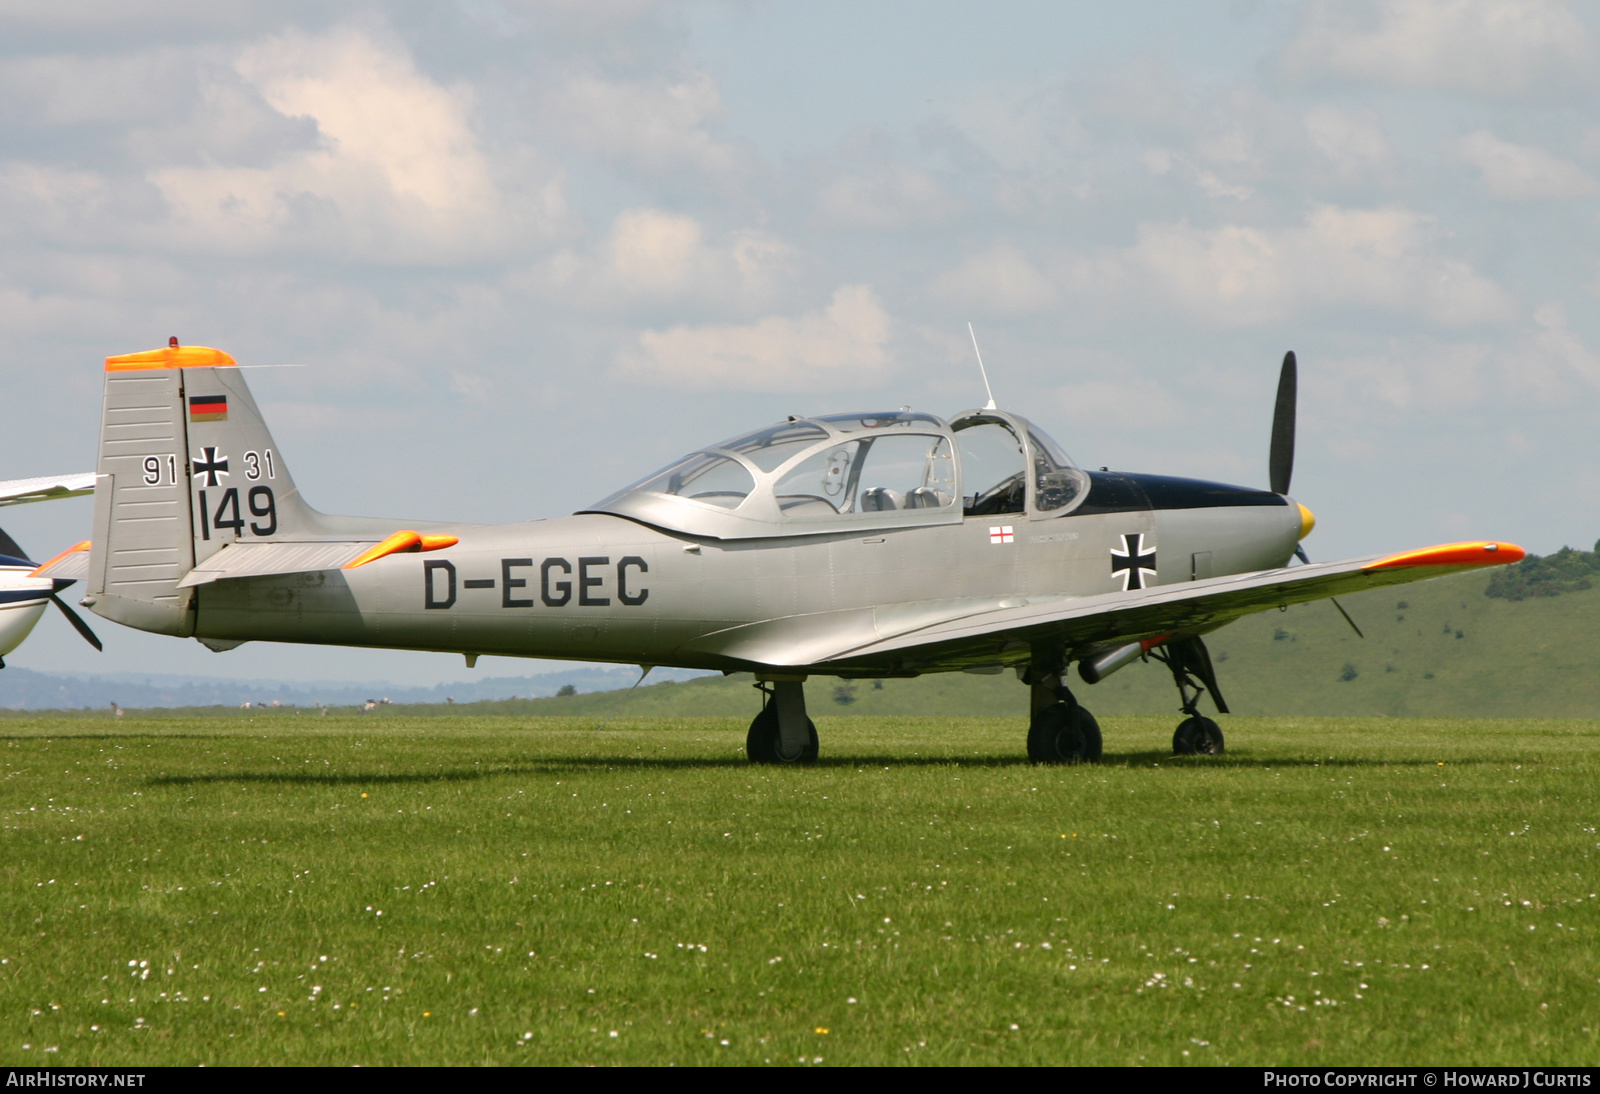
[
  {"x": 763, "y": 743},
  {"x": 1197, "y": 736},
  {"x": 1062, "y": 734}
]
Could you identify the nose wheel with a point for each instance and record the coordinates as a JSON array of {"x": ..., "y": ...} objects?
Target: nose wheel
[{"x": 1192, "y": 672}]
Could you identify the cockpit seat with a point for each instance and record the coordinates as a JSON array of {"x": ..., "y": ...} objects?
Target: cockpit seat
[
  {"x": 926, "y": 497},
  {"x": 880, "y": 499}
]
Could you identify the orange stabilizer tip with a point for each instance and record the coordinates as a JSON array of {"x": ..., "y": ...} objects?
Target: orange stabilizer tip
[
  {"x": 171, "y": 357},
  {"x": 74, "y": 549},
  {"x": 401, "y": 541},
  {"x": 1453, "y": 554}
]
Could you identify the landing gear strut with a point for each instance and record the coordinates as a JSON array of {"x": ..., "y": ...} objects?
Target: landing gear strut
[
  {"x": 781, "y": 733},
  {"x": 1190, "y": 663},
  {"x": 1060, "y": 731}
]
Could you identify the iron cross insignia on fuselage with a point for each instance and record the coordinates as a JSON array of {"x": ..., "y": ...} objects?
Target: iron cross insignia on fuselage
[
  {"x": 1132, "y": 562},
  {"x": 210, "y": 466}
]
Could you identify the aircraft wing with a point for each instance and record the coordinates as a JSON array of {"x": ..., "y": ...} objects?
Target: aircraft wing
[
  {"x": 45, "y": 488},
  {"x": 958, "y": 634}
]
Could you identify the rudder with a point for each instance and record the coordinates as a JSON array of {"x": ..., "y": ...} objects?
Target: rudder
[{"x": 186, "y": 466}]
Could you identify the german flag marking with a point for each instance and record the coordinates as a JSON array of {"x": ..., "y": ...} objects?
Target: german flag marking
[{"x": 208, "y": 408}]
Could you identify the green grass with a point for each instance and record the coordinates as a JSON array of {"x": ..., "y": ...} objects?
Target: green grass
[{"x": 1333, "y": 891}]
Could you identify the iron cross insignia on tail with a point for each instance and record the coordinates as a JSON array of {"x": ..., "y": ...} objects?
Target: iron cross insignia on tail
[
  {"x": 1132, "y": 562},
  {"x": 210, "y": 466}
]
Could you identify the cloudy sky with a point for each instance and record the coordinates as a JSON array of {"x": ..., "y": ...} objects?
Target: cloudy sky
[{"x": 527, "y": 252}]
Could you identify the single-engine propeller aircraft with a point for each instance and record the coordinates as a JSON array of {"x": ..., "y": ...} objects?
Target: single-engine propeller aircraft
[
  {"x": 850, "y": 545},
  {"x": 23, "y": 593}
]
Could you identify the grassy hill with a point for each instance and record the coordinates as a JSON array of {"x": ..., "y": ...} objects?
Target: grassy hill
[{"x": 1439, "y": 648}]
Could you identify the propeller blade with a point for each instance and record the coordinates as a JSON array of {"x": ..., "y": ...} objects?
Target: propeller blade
[
  {"x": 9, "y": 546},
  {"x": 1300, "y": 552},
  {"x": 1347, "y": 618},
  {"x": 77, "y": 623},
  {"x": 1280, "y": 462}
]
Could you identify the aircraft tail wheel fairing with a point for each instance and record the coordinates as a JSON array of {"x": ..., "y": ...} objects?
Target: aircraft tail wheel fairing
[
  {"x": 1064, "y": 734},
  {"x": 782, "y": 733},
  {"x": 1197, "y": 736}
]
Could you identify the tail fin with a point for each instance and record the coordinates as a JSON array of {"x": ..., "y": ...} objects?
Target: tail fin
[{"x": 186, "y": 466}]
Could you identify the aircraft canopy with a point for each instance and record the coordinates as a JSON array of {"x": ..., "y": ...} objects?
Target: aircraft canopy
[{"x": 849, "y": 472}]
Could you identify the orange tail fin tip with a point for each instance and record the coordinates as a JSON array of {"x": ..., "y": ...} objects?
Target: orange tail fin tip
[
  {"x": 1478, "y": 553},
  {"x": 171, "y": 356},
  {"x": 401, "y": 541}
]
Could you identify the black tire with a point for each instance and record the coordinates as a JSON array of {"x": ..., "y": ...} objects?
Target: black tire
[
  {"x": 1060, "y": 734},
  {"x": 761, "y": 743},
  {"x": 1197, "y": 736}
]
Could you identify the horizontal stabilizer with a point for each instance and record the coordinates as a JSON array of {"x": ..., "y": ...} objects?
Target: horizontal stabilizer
[
  {"x": 46, "y": 488},
  {"x": 70, "y": 565},
  {"x": 261, "y": 559}
]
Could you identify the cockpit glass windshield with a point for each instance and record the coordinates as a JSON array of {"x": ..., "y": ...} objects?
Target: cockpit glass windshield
[
  {"x": 889, "y": 472},
  {"x": 866, "y": 423},
  {"x": 715, "y": 480},
  {"x": 817, "y": 471},
  {"x": 1057, "y": 482},
  {"x": 906, "y": 471},
  {"x": 821, "y": 485},
  {"x": 992, "y": 469},
  {"x": 769, "y": 448}
]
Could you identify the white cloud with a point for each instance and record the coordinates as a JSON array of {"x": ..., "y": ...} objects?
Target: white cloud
[
  {"x": 71, "y": 90},
  {"x": 889, "y": 196},
  {"x": 1239, "y": 275},
  {"x": 64, "y": 205},
  {"x": 1352, "y": 145},
  {"x": 661, "y": 124},
  {"x": 1493, "y": 48},
  {"x": 999, "y": 281},
  {"x": 1538, "y": 365},
  {"x": 1029, "y": 133},
  {"x": 1137, "y": 403},
  {"x": 97, "y": 15},
  {"x": 1551, "y": 343},
  {"x": 654, "y": 256},
  {"x": 1409, "y": 375},
  {"x": 397, "y": 173},
  {"x": 1518, "y": 172},
  {"x": 843, "y": 346},
  {"x": 1160, "y": 161}
]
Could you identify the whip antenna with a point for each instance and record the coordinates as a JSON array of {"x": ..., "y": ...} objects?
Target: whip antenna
[{"x": 981, "y": 369}]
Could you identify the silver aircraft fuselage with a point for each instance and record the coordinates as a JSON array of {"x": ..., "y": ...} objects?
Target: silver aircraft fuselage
[
  {"x": 605, "y": 588},
  {"x": 784, "y": 549}
]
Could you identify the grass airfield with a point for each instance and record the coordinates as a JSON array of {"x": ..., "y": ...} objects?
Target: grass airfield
[{"x": 276, "y": 889}]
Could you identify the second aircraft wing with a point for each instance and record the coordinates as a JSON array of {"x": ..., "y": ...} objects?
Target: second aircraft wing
[{"x": 939, "y": 636}]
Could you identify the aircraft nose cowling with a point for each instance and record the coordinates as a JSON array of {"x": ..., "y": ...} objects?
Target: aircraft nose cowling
[{"x": 1308, "y": 521}]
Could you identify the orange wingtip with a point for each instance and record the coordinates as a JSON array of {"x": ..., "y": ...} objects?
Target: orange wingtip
[
  {"x": 171, "y": 357},
  {"x": 74, "y": 549},
  {"x": 1454, "y": 554},
  {"x": 401, "y": 541}
]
